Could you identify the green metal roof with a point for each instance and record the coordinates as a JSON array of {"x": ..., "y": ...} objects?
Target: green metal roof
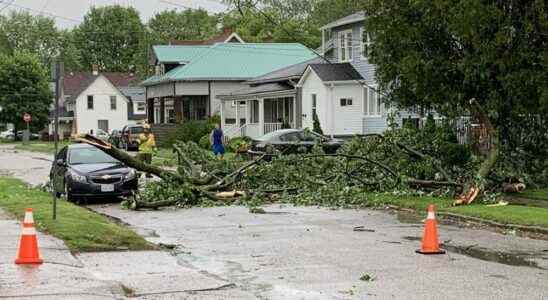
[
  {"x": 232, "y": 61},
  {"x": 177, "y": 53}
]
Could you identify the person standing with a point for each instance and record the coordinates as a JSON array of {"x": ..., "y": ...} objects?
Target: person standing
[
  {"x": 216, "y": 138},
  {"x": 147, "y": 146}
]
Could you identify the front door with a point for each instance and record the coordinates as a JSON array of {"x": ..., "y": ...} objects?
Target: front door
[{"x": 103, "y": 125}]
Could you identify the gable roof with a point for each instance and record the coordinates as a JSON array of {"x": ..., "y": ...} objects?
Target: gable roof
[
  {"x": 233, "y": 61},
  {"x": 74, "y": 83},
  {"x": 355, "y": 17},
  {"x": 336, "y": 72},
  {"x": 257, "y": 90},
  {"x": 286, "y": 73},
  {"x": 226, "y": 37}
]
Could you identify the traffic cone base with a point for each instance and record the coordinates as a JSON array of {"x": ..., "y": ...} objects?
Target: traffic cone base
[
  {"x": 28, "y": 246},
  {"x": 430, "y": 244}
]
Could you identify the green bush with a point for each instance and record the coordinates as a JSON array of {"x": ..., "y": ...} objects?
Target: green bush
[
  {"x": 238, "y": 143},
  {"x": 205, "y": 142},
  {"x": 190, "y": 131}
]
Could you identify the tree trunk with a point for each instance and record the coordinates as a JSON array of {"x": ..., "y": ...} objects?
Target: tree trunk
[{"x": 473, "y": 189}]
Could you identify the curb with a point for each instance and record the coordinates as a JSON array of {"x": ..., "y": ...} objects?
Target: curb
[{"x": 532, "y": 229}]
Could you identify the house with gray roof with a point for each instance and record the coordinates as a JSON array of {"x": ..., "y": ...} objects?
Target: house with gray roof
[{"x": 344, "y": 94}]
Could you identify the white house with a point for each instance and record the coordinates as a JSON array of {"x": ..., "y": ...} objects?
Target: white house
[{"x": 94, "y": 100}]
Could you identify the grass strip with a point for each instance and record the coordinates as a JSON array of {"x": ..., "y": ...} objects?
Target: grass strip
[{"x": 81, "y": 229}]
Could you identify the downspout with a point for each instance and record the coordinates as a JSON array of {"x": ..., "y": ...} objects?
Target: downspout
[{"x": 332, "y": 125}]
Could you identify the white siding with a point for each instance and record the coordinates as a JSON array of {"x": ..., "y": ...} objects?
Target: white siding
[
  {"x": 87, "y": 119},
  {"x": 194, "y": 88},
  {"x": 312, "y": 84},
  {"x": 348, "y": 119},
  {"x": 223, "y": 88},
  {"x": 162, "y": 90}
]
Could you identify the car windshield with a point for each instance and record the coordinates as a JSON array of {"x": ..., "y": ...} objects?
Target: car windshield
[
  {"x": 81, "y": 156},
  {"x": 135, "y": 130}
]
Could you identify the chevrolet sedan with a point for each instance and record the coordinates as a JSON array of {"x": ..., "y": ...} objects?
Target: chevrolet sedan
[{"x": 83, "y": 171}]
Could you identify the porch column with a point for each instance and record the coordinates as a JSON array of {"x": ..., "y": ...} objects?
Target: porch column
[
  {"x": 295, "y": 125},
  {"x": 261, "y": 116},
  {"x": 247, "y": 112},
  {"x": 162, "y": 110},
  {"x": 223, "y": 115},
  {"x": 237, "y": 114},
  {"x": 177, "y": 106},
  {"x": 150, "y": 110}
]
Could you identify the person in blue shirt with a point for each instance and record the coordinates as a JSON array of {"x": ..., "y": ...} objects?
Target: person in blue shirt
[{"x": 216, "y": 138}]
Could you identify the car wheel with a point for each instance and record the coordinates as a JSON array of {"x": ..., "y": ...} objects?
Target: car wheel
[{"x": 68, "y": 195}]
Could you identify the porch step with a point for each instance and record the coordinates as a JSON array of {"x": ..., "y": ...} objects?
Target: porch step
[{"x": 162, "y": 131}]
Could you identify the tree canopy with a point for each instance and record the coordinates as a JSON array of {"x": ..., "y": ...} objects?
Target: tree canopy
[
  {"x": 188, "y": 24},
  {"x": 441, "y": 54},
  {"x": 25, "y": 88},
  {"x": 110, "y": 37}
]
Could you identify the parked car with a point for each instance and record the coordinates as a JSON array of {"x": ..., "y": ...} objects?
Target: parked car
[
  {"x": 293, "y": 141},
  {"x": 83, "y": 171},
  {"x": 33, "y": 136},
  {"x": 101, "y": 134},
  {"x": 130, "y": 137},
  {"x": 115, "y": 138},
  {"x": 7, "y": 135}
]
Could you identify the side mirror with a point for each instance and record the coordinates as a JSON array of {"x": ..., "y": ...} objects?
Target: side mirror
[{"x": 60, "y": 163}]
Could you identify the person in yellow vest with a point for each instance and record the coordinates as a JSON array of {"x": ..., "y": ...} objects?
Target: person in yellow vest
[{"x": 147, "y": 146}]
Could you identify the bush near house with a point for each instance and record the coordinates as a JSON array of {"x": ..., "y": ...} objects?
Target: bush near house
[{"x": 191, "y": 131}]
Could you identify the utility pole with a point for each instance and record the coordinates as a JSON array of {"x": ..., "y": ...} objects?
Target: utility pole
[{"x": 58, "y": 73}]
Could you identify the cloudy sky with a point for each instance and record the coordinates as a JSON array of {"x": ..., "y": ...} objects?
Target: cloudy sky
[{"x": 69, "y": 13}]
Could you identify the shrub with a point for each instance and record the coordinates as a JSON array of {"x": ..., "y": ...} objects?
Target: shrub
[
  {"x": 238, "y": 143},
  {"x": 205, "y": 142},
  {"x": 189, "y": 131},
  {"x": 316, "y": 127}
]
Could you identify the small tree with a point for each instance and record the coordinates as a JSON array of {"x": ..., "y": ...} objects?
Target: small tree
[
  {"x": 316, "y": 124},
  {"x": 25, "y": 89}
]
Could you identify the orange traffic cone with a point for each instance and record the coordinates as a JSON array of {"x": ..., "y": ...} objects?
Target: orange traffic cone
[
  {"x": 28, "y": 246},
  {"x": 430, "y": 244}
]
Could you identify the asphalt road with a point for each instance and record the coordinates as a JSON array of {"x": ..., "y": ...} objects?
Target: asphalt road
[{"x": 287, "y": 253}]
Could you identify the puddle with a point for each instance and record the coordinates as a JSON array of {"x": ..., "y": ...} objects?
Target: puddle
[
  {"x": 506, "y": 258},
  {"x": 409, "y": 218},
  {"x": 412, "y": 238}
]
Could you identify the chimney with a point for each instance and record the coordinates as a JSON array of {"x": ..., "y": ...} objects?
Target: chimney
[{"x": 95, "y": 69}]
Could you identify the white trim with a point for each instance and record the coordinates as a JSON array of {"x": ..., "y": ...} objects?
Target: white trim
[
  {"x": 234, "y": 35},
  {"x": 379, "y": 106},
  {"x": 344, "y": 22},
  {"x": 28, "y": 218},
  {"x": 28, "y": 231},
  {"x": 347, "y": 48}
]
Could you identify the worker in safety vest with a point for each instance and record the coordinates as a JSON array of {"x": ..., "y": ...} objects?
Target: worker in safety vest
[{"x": 147, "y": 146}]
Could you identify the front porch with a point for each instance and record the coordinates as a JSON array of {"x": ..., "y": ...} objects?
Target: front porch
[
  {"x": 174, "y": 110},
  {"x": 258, "y": 116}
]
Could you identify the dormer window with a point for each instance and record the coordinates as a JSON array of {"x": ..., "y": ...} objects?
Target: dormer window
[
  {"x": 366, "y": 44},
  {"x": 345, "y": 46}
]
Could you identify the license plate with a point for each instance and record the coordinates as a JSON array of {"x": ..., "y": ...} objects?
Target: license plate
[{"x": 107, "y": 187}]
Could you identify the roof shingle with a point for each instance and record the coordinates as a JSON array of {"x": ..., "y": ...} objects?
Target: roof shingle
[{"x": 336, "y": 72}]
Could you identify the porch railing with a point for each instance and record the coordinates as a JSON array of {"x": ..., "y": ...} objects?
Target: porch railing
[{"x": 269, "y": 127}]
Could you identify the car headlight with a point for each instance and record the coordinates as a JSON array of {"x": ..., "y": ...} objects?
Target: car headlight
[
  {"x": 77, "y": 177},
  {"x": 131, "y": 174}
]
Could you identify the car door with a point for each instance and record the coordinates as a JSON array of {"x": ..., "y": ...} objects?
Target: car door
[{"x": 58, "y": 171}]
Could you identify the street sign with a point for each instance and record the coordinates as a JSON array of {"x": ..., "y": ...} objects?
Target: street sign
[{"x": 27, "y": 118}]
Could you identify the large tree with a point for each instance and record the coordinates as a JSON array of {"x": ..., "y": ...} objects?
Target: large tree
[
  {"x": 481, "y": 57},
  {"x": 37, "y": 34},
  {"x": 111, "y": 37},
  {"x": 182, "y": 25},
  {"x": 24, "y": 88}
]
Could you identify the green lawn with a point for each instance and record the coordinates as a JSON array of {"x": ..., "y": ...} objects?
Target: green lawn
[
  {"x": 538, "y": 194},
  {"x": 509, "y": 214},
  {"x": 81, "y": 230}
]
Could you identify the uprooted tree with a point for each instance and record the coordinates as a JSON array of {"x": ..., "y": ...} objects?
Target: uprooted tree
[
  {"x": 484, "y": 59},
  {"x": 403, "y": 160}
]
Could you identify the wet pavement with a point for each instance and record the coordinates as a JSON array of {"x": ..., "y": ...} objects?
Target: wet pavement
[
  {"x": 316, "y": 253},
  {"x": 31, "y": 167}
]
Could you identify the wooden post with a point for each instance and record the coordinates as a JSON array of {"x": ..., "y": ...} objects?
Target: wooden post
[
  {"x": 261, "y": 116},
  {"x": 162, "y": 110}
]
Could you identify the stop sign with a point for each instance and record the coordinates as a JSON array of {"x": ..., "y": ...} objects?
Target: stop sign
[{"x": 27, "y": 118}]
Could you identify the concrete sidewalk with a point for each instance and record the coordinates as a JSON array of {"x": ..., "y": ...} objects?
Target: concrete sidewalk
[{"x": 101, "y": 275}]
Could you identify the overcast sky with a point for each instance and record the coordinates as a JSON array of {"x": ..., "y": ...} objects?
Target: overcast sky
[{"x": 71, "y": 12}]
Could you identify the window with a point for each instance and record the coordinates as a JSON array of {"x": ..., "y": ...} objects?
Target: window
[
  {"x": 242, "y": 103},
  {"x": 141, "y": 106},
  {"x": 254, "y": 112},
  {"x": 102, "y": 125},
  {"x": 346, "y": 101},
  {"x": 230, "y": 121},
  {"x": 112, "y": 102},
  {"x": 313, "y": 104},
  {"x": 90, "y": 101},
  {"x": 345, "y": 45},
  {"x": 373, "y": 104},
  {"x": 366, "y": 44}
]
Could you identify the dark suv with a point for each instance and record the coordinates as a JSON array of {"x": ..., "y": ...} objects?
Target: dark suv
[{"x": 130, "y": 137}]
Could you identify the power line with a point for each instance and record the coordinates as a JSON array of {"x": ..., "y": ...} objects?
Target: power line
[{"x": 42, "y": 12}]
